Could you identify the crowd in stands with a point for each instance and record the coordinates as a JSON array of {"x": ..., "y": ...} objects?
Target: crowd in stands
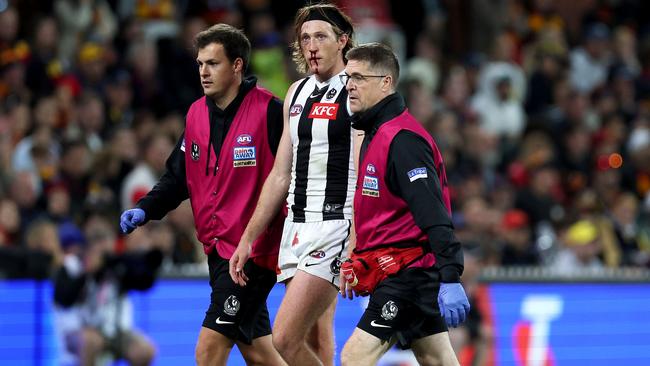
[{"x": 541, "y": 109}]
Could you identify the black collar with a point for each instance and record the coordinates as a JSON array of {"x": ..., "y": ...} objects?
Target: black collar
[
  {"x": 382, "y": 112},
  {"x": 246, "y": 85}
]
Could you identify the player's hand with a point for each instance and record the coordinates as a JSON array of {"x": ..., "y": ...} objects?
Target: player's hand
[
  {"x": 453, "y": 303},
  {"x": 345, "y": 290},
  {"x": 236, "y": 263},
  {"x": 130, "y": 219}
]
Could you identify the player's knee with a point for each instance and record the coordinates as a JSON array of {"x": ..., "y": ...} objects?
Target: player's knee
[
  {"x": 92, "y": 341},
  {"x": 428, "y": 360},
  {"x": 285, "y": 344},
  {"x": 349, "y": 357},
  {"x": 141, "y": 354}
]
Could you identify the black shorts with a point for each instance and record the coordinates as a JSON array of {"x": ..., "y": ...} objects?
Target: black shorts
[
  {"x": 237, "y": 312},
  {"x": 405, "y": 307}
]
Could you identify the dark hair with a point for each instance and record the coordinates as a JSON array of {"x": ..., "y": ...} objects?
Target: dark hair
[
  {"x": 341, "y": 24},
  {"x": 378, "y": 56},
  {"x": 233, "y": 40}
]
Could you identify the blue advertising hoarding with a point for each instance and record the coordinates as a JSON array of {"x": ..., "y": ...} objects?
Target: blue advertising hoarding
[{"x": 534, "y": 324}]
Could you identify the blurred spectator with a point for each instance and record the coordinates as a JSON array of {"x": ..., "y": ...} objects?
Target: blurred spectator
[
  {"x": 178, "y": 66},
  {"x": 581, "y": 247},
  {"x": 9, "y": 223},
  {"x": 500, "y": 113},
  {"x": 268, "y": 57},
  {"x": 518, "y": 248},
  {"x": 145, "y": 175},
  {"x": 83, "y": 20},
  {"x": 43, "y": 66},
  {"x": 90, "y": 293},
  {"x": 589, "y": 63},
  {"x": 37, "y": 258}
]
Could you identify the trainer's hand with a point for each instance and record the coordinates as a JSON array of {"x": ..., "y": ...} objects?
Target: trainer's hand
[
  {"x": 130, "y": 219},
  {"x": 453, "y": 303},
  {"x": 236, "y": 263}
]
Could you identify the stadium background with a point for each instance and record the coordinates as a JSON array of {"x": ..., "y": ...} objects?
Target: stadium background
[{"x": 541, "y": 109}]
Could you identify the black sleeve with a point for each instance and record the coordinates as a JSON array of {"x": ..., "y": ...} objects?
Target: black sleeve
[
  {"x": 137, "y": 271},
  {"x": 67, "y": 289},
  {"x": 275, "y": 123},
  {"x": 171, "y": 188},
  {"x": 412, "y": 176}
]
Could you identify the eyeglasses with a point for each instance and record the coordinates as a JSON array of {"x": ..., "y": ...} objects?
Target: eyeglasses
[{"x": 357, "y": 78}]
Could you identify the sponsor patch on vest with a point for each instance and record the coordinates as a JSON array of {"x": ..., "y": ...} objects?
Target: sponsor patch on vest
[
  {"x": 295, "y": 110},
  {"x": 370, "y": 186},
  {"x": 324, "y": 110},
  {"x": 244, "y": 139},
  {"x": 244, "y": 156},
  {"x": 417, "y": 173},
  {"x": 195, "y": 152}
]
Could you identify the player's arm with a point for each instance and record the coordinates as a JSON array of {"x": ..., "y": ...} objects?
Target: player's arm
[
  {"x": 273, "y": 196},
  {"x": 357, "y": 141},
  {"x": 423, "y": 194}
]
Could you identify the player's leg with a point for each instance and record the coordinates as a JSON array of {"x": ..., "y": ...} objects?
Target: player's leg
[
  {"x": 255, "y": 342},
  {"x": 93, "y": 344},
  {"x": 138, "y": 350},
  {"x": 321, "y": 336},
  {"x": 434, "y": 350},
  {"x": 306, "y": 299},
  {"x": 261, "y": 352},
  {"x": 212, "y": 348},
  {"x": 363, "y": 348}
]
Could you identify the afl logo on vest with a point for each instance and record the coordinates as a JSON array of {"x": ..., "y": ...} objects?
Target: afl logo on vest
[
  {"x": 370, "y": 169},
  {"x": 194, "y": 151},
  {"x": 244, "y": 139},
  {"x": 324, "y": 110}
]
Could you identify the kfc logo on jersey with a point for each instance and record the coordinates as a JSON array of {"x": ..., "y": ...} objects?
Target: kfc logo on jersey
[
  {"x": 370, "y": 169},
  {"x": 324, "y": 110},
  {"x": 244, "y": 139},
  {"x": 295, "y": 110}
]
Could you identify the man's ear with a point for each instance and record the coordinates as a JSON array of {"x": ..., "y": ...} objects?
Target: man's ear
[
  {"x": 343, "y": 41},
  {"x": 238, "y": 65}
]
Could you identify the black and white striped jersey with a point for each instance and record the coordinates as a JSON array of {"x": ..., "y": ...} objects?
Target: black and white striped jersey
[{"x": 322, "y": 174}]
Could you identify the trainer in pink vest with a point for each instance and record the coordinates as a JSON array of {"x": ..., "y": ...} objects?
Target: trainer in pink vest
[
  {"x": 223, "y": 201},
  {"x": 380, "y": 217}
]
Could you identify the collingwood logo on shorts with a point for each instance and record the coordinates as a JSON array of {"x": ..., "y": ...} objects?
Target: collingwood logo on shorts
[
  {"x": 335, "y": 266},
  {"x": 244, "y": 156},
  {"x": 389, "y": 310},
  {"x": 194, "y": 151},
  {"x": 231, "y": 306}
]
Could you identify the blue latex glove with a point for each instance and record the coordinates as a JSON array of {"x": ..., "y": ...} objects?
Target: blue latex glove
[
  {"x": 130, "y": 219},
  {"x": 453, "y": 303}
]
